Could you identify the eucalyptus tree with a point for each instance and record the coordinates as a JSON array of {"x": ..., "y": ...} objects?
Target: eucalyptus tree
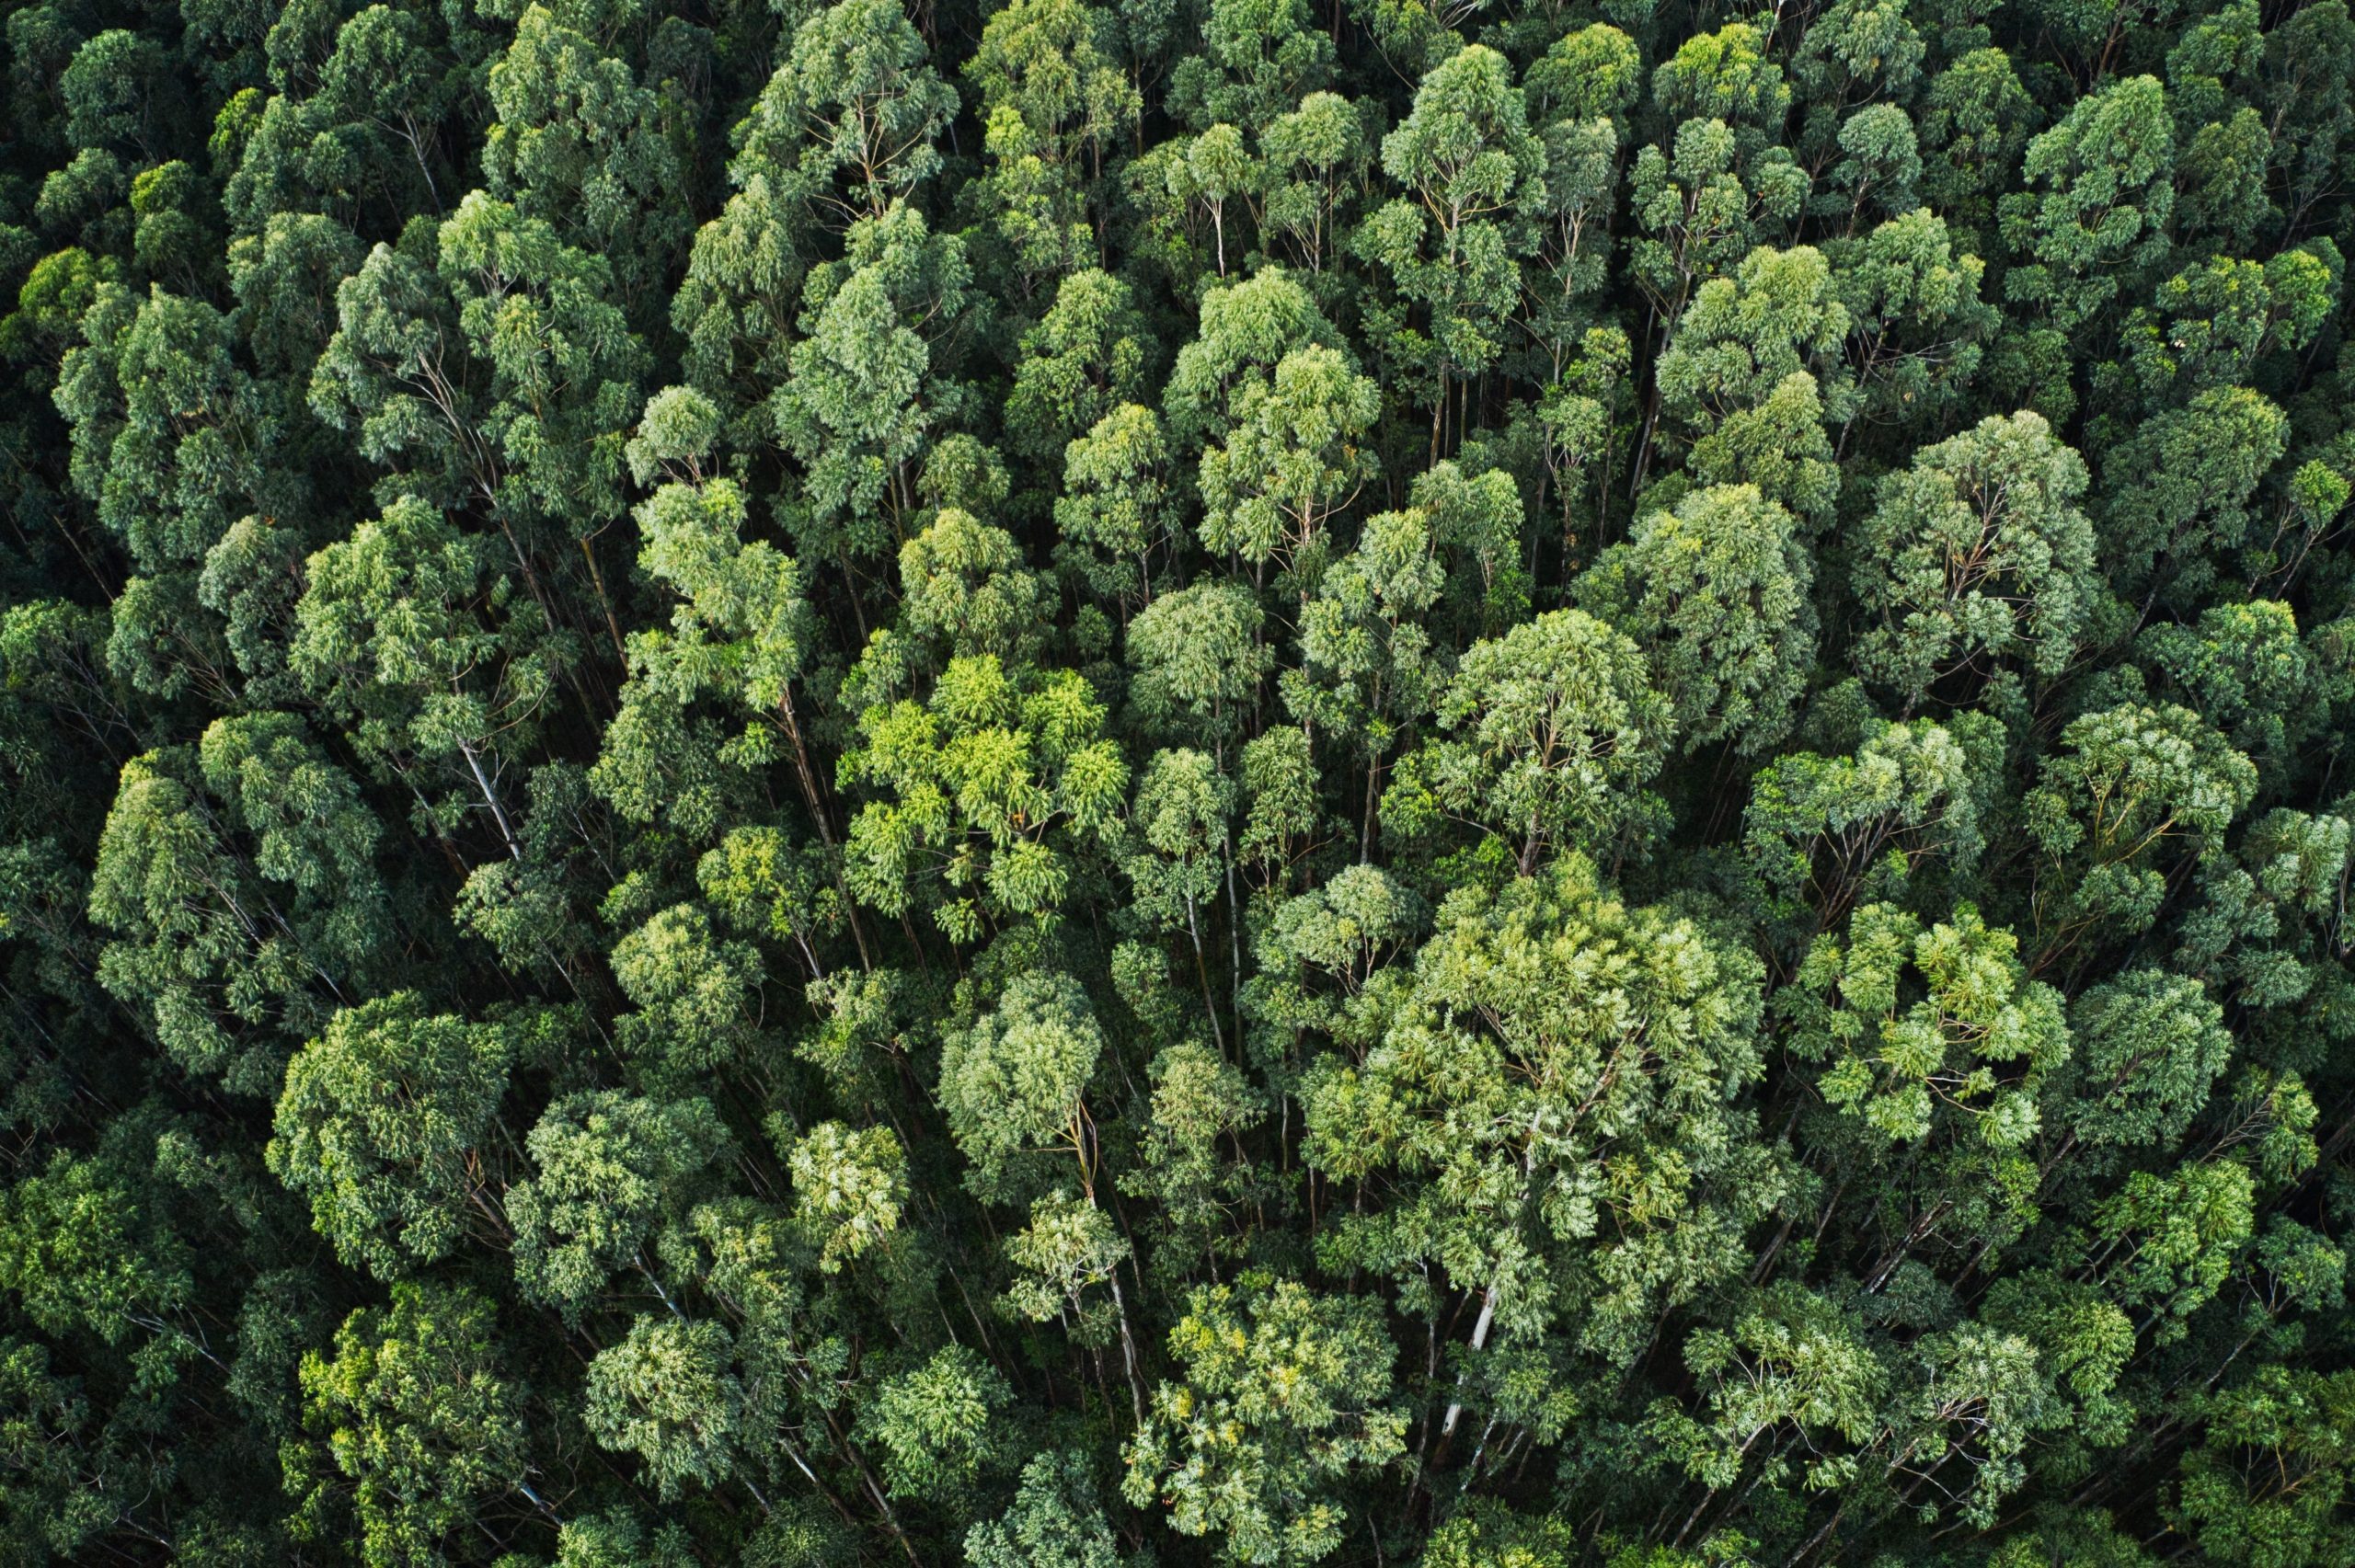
[{"x": 1088, "y": 781}]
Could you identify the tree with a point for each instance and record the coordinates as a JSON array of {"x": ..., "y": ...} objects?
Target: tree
[
  {"x": 1715, "y": 594},
  {"x": 607, "y": 1167},
  {"x": 2267, "y": 1480},
  {"x": 1245, "y": 329},
  {"x": 380, "y": 1126},
  {"x": 1738, "y": 383},
  {"x": 94, "y": 1251},
  {"x": 2099, "y": 198},
  {"x": 166, "y": 432},
  {"x": 934, "y": 1424},
  {"x": 1316, "y": 158},
  {"x": 1207, "y": 173},
  {"x": 1855, "y": 51},
  {"x": 842, "y": 133},
  {"x": 1975, "y": 124},
  {"x": 1723, "y": 76},
  {"x": 1014, "y": 1084},
  {"x": 1487, "y": 1532},
  {"x": 1198, "y": 1098},
  {"x": 531, "y": 422},
  {"x": 1196, "y": 660},
  {"x": 1085, "y": 361},
  {"x": 1467, "y": 158},
  {"x": 1055, "y": 1521},
  {"x": 990, "y": 786},
  {"x": 1292, "y": 460},
  {"x": 1554, "y": 729},
  {"x": 870, "y": 379},
  {"x": 1178, "y": 857},
  {"x": 1070, "y": 1248},
  {"x": 1368, "y": 670},
  {"x": 1115, "y": 519},
  {"x": 1976, "y": 1046},
  {"x": 693, "y": 991},
  {"x": 240, "y": 885},
  {"x": 847, "y": 125},
  {"x": 850, "y": 1188},
  {"x": 2245, "y": 666},
  {"x": 1791, "y": 1371},
  {"x": 1977, "y": 559},
  {"x": 2130, "y": 779},
  {"x": 665, "y": 1394},
  {"x": 2183, "y": 486},
  {"x": 418, "y": 1418},
  {"x": 1701, "y": 206},
  {"x": 580, "y": 144},
  {"x": 2216, "y": 322},
  {"x": 964, "y": 590},
  {"x": 1820, "y": 832},
  {"x": 1285, "y": 1390},
  {"x": 1917, "y": 325},
  {"x": 1551, "y": 1100},
  {"x": 406, "y": 633},
  {"x": 2151, "y": 1046},
  {"x": 1577, "y": 98},
  {"x": 1053, "y": 104},
  {"x": 743, "y": 628},
  {"x": 1259, "y": 60}
]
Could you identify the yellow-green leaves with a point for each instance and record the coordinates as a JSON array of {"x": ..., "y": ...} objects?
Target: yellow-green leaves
[
  {"x": 987, "y": 789},
  {"x": 1286, "y": 1391},
  {"x": 1921, "y": 1026}
]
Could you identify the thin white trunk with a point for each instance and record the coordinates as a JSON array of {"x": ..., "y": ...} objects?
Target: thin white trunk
[{"x": 497, "y": 812}]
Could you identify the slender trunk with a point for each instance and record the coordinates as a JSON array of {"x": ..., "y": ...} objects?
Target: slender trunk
[
  {"x": 808, "y": 778},
  {"x": 490, "y": 798},
  {"x": 1480, "y": 1327},
  {"x": 1817, "y": 1539},
  {"x": 597, "y": 582},
  {"x": 1128, "y": 1352},
  {"x": 874, "y": 1488},
  {"x": 1202, "y": 967},
  {"x": 1487, "y": 1319},
  {"x": 1235, "y": 945}
]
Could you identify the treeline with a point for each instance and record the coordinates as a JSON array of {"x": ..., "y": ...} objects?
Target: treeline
[{"x": 1477, "y": 783}]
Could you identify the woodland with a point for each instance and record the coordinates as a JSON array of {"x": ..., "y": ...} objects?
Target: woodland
[{"x": 1119, "y": 783}]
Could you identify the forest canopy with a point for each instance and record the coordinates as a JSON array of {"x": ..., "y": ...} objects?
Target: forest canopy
[{"x": 1085, "y": 784}]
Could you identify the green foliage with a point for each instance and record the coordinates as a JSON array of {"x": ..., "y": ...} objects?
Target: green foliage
[
  {"x": 1087, "y": 783},
  {"x": 420, "y": 1425},
  {"x": 1555, "y": 1092},
  {"x": 1553, "y": 728},
  {"x": 990, "y": 787},
  {"x": 1715, "y": 594},
  {"x": 1014, "y": 1083},
  {"x": 188, "y": 870},
  {"x": 2267, "y": 1484},
  {"x": 1925, "y": 1025},
  {"x": 933, "y": 1423},
  {"x": 849, "y": 1189},
  {"x": 606, "y": 1168},
  {"x": 666, "y": 1394},
  {"x": 1977, "y": 561},
  {"x": 380, "y": 1120},
  {"x": 1055, "y": 1521},
  {"x": 1285, "y": 1392}
]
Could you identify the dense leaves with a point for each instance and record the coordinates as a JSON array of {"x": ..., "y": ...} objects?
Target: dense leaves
[{"x": 1073, "y": 783}]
